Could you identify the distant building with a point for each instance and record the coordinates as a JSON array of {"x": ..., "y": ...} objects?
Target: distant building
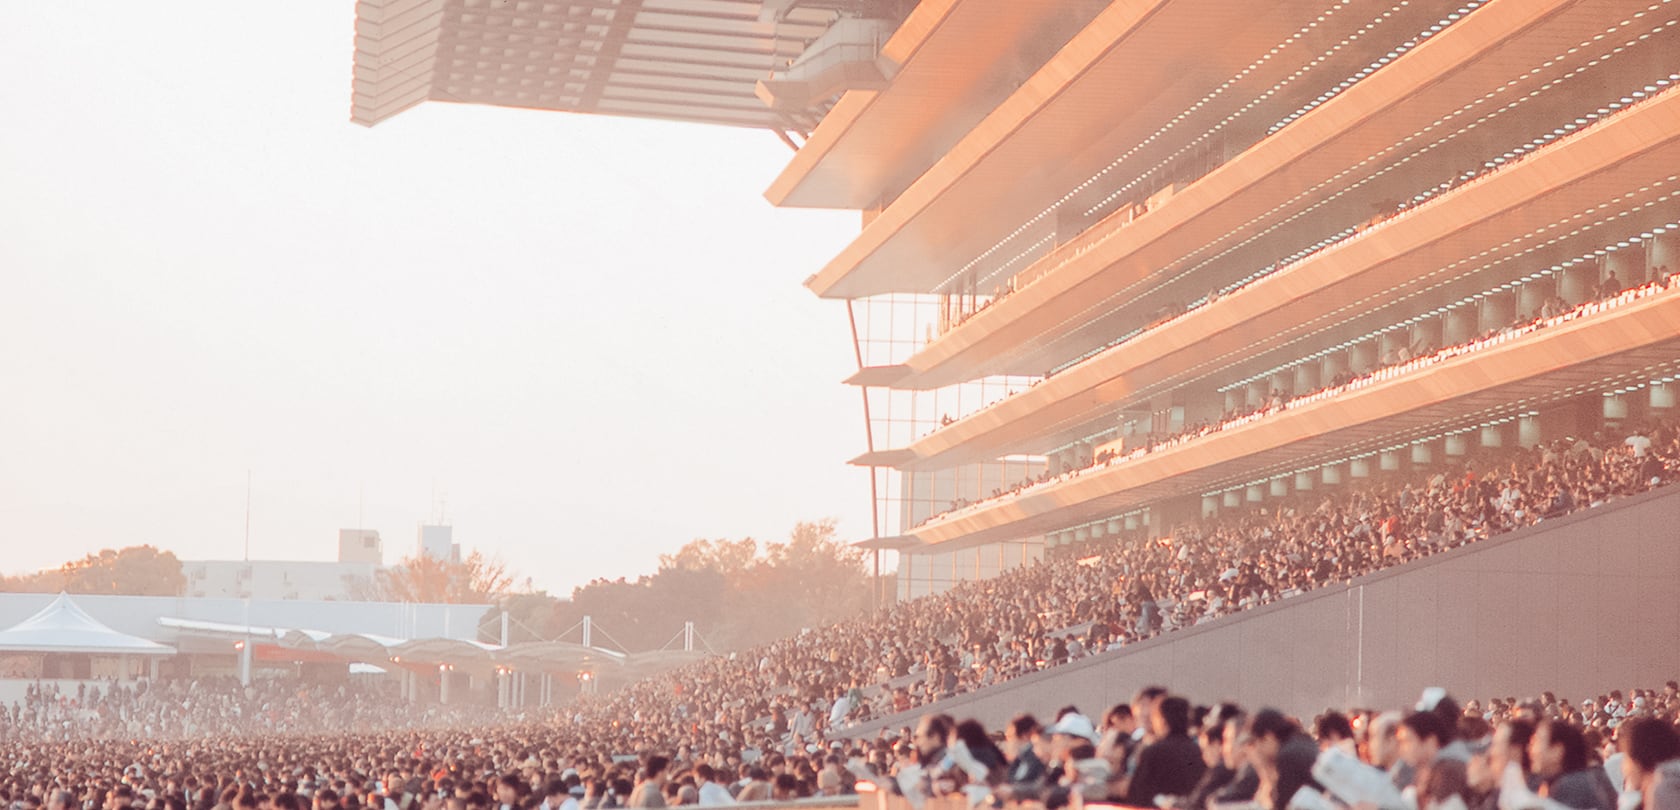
[
  {"x": 278, "y": 579},
  {"x": 438, "y": 542},
  {"x": 360, "y": 546}
]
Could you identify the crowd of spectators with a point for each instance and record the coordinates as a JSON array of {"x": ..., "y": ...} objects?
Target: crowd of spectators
[
  {"x": 795, "y": 691},
  {"x": 785, "y": 697},
  {"x": 1160, "y": 750},
  {"x": 1087, "y": 600},
  {"x": 216, "y": 706},
  {"x": 1553, "y": 313}
]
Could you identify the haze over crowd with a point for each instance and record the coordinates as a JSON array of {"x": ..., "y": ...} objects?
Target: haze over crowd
[{"x": 575, "y": 333}]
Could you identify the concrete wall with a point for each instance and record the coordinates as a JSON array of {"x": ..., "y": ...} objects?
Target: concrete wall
[{"x": 1579, "y": 606}]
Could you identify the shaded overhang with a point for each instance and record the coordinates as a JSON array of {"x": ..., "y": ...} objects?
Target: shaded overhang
[
  {"x": 1639, "y": 344},
  {"x": 955, "y": 58},
  {"x": 1404, "y": 268},
  {"x": 896, "y": 543},
  {"x": 685, "y": 60},
  {"x": 1138, "y": 68},
  {"x": 558, "y": 655}
]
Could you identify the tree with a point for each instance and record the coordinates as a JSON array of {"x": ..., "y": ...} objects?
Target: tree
[
  {"x": 727, "y": 557},
  {"x": 132, "y": 571},
  {"x": 735, "y": 595},
  {"x": 425, "y": 578}
]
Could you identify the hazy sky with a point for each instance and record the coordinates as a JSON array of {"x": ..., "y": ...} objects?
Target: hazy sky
[{"x": 585, "y": 335}]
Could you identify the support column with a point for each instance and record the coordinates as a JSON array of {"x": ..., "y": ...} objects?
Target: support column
[
  {"x": 1461, "y": 326},
  {"x": 1333, "y": 364},
  {"x": 1427, "y": 336},
  {"x": 443, "y": 684},
  {"x": 1499, "y": 310},
  {"x": 1615, "y": 407},
  {"x": 1662, "y": 395},
  {"x": 1493, "y": 436},
  {"x": 1577, "y": 283},
  {"x": 1664, "y": 254},
  {"x": 1628, "y": 265},
  {"x": 1390, "y": 343},
  {"x": 1532, "y": 295},
  {"x": 1362, "y": 356},
  {"x": 1306, "y": 379}
]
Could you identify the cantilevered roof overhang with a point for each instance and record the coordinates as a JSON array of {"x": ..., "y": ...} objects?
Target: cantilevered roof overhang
[
  {"x": 955, "y": 59},
  {"x": 1598, "y": 187},
  {"x": 687, "y": 60},
  {"x": 1139, "y": 66},
  {"x": 1112, "y": 278},
  {"x": 1638, "y": 344}
]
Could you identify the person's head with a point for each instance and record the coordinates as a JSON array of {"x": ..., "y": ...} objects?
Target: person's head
[
  {"x": 1421, "y": 736},
  {"x": 1234, "y": 744},
  {"x": 1267, "y": 731},
  {"x": 1645, "y": 743},
  {"x": 1143, "y": 703},
  {"x": 508, "y": 789},
  {"x": 972, "y": 734},
  {"x": 1331, "y": 729},
  {"x": 828, "y": 782},
  {"x": 786, "y": 787},
  {"x": 1212, "y": 742},
  {"x": 1119, "y": 719},
  {"x": 326, "y": 799},
  {"x": 1019, "y": 735},
  {"x": 1510, "y": 744},
  {"x": 932, "y": 733},
  {"x": 1556, "y": 749},
  {"x": 61, "y": 800},
  {"x": 705, "y": 773},
  {"x": 1171, "y": 716},
  {"x": 656, "y": 765}
]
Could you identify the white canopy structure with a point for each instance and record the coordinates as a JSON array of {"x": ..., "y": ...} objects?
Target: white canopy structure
[{"x": 63, "y": 627}]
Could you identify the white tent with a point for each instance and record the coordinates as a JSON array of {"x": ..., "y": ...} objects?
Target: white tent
[{"x": 63, "y": 627}]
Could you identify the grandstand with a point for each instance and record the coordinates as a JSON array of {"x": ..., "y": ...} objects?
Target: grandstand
[{"x": 1124, "y": 265}]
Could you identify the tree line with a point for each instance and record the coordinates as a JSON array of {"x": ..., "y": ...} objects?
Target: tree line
[{"x": 738, "y": 593}]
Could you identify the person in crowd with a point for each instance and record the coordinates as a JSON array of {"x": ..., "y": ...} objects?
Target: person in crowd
[
  {"x": 1171, "y": 764},
  {"x": 1560, "y": 756},
  {"x": 1650, "y": 749}
]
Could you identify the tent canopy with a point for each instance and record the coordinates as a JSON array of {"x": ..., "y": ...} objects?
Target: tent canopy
[{"x": 63, "y": 627}]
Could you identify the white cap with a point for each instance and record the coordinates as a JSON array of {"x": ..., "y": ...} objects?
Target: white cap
[{"x": 1076, "y": 725}]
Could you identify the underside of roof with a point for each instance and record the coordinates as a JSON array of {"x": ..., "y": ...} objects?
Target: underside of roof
[{"x": 688, "y": 60}]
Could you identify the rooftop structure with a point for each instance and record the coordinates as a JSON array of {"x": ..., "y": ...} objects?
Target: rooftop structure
[{"x": 1111, "y": 277}]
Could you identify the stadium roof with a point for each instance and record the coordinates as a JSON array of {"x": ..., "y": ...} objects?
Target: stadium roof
[{"x": 686, "y": 60}]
